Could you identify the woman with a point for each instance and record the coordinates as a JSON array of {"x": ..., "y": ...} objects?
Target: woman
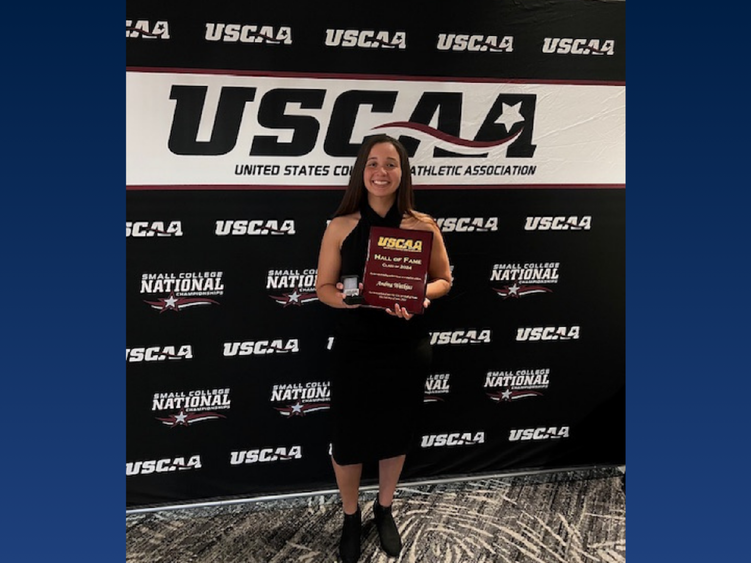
[{"x": 380, "y": 358}]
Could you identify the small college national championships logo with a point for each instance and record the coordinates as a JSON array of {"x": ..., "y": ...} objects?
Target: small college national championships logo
[
  {"x": 524, "y": 279},
  {"x": 194, "y": 406},
  {"x": 292, "y": 287},
  {"x": 437, "y": 385},
  {"x": 513, "y": 385},
  {"x": 299, "y": 399},
  {"x": 184, "y": 290}
]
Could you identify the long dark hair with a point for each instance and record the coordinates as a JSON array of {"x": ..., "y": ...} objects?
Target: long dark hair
[{"x": 355, "y": 192}]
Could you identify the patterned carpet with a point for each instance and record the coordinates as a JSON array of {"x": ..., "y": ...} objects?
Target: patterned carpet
[{"x": 572, "y": 516}]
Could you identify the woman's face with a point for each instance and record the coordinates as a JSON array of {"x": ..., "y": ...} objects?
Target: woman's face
[{"x": 383, "y": 170}]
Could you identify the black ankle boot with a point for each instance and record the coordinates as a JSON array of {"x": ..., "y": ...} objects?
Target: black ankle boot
[
  {"x": 349, "y": 546},
  {"x": 391, "y": 541}
]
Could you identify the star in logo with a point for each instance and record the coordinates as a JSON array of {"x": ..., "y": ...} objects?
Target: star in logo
[
  {"x": 510, "y": 116},
  {"x": 173, "y": 303},
  {"x": 507, "y": 395},
  {"x": 300, "y": 409},
  {"x": 517, "y": 290},
  {"x": 186, "y": 419},
  {"x": 297, "y": 297}
]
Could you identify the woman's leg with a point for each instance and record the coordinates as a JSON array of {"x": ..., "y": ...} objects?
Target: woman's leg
[
  {"x": 389, "y": 471},
  {"x": 348, "y": 481}
]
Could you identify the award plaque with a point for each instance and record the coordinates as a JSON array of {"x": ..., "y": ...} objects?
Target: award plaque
[{"x": 396, "y": 268}]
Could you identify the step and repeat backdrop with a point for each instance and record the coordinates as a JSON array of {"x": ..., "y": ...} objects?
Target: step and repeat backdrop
[{"x": 242, "y": 124}]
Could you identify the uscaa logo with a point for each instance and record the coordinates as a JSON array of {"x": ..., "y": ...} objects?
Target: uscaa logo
[
  {"x": 248, "y": 33},
  {"x": 299, "y": 399},
  {"x": 194, "y": 406},
  {"x": 145, "y": 229},
  {"x": 365, "y": 39},
  {"x": 506, "y": 130},
  {"x": 467, "y": 224},
  {"x": 475, "y": 43},
  {"x": 300, "y": 286},
  {"x": 261, "y": 347},
  {"x": 559, "y": 223},
  {"x": 507, "y": 386},
  {"x": 146, "y": 30},
  {"x": 453, "y": 439},
  {"x": 460, "y": 337},
  {"x": 537, "y": 434},
  {"x": 164, "y": 465},
  {"x": 255, "y": 227},
  {"x": 185, "y": 289},
  {"x": 265, "y": 455},
  {"x": 159, "y": 353},
  {"x": 526, "y": 279},
  {"x": 547, "y": 333},
  {"x": 578, "y": 46}
]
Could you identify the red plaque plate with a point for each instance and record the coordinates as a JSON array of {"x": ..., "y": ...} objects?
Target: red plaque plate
[{"x": 396, "y": 268}]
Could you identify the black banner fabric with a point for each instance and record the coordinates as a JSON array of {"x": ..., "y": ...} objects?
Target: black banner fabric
[
  {"x": 520, "y": 378},
  {"x": 516, "y": 40},
  {"x": 227, "y": 345}
]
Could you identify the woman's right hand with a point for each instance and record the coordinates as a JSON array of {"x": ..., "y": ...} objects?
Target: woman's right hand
[{"x": 340, "y": 288}]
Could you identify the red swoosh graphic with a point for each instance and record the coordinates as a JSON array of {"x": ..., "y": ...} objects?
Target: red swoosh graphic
[{"x": 449, "y": 138}]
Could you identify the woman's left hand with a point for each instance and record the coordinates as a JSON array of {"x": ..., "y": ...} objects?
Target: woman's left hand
[{"x": 402, "y": 313}]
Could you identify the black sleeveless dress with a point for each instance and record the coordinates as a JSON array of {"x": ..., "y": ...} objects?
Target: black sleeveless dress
[{"x": 379, "y": 366}]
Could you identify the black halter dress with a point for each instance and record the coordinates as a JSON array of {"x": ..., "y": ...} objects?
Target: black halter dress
[{"x": 379, "y": 366}]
